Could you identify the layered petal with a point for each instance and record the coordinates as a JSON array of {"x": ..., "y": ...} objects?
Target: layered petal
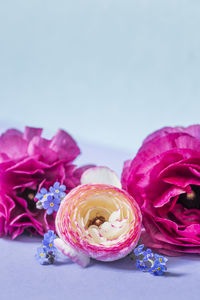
[
  {"x": 29, "y": 162},
  {"x": 164, "y": 178},
  {"x": 99, "y": 221}
]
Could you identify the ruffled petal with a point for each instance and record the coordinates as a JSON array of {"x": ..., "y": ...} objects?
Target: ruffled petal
[
  {"x": 75, "y": 256},
  {"x": 31, "y": 132},
  {"x": 166, "y": 166},
  {"x": 66, "y": 147},
  {"x": 13, "y": 145},
  {"x": 29, "y": 163},
  {"x": 85, "y": 206}
]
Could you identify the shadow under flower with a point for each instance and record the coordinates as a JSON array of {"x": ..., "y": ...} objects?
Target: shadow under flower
[
  {"x": 130, "y": 265},
  {"x": 122, "y": 264},
  {"x": 60, "y": 263},
  {"x": 173, "y": 274},
  {"x": 183, "y": 259}
]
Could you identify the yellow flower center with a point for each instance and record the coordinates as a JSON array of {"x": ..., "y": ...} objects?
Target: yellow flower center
[
  {"x": 158, "y": 269},
  {"x": 50, "y": 245},
  {"x": 57, "y": 191},
  {"x": 160, "y": 259},
  {"x": 191, "y": 196},
  {"x": 42, "y": 254},
  {"x": 45, "y": 196},
  {"x": 51, "y": 204}
]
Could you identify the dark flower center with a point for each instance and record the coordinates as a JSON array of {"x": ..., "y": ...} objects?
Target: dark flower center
[
  {"x": 29, "y": 195},
  {"x": 192, "y": 199},
  {"x": 97, "y": 221}
]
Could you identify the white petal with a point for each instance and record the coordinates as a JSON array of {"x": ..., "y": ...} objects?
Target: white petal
[
  {"x": 39, "y": 204},
  {"x": 113, "y": 230},
  {"x": 94, "y": 232},
  {"x": 102, "y": 175},
  {"x": 114, "y": 216},
  {"x": 81, "y": 259}
]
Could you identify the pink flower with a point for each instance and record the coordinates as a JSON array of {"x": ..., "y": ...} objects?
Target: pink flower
[
  {"x": 164, "y": 178},
  {"x": 99, "y": 221},
  {"x": 27, "y": 163}
]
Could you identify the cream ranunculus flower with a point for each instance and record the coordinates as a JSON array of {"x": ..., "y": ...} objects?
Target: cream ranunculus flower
[{"x": 98, "y": 220}]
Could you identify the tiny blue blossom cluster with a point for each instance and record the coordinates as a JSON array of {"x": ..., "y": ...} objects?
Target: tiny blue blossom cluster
[
  {"x": 46, "y": 254},
  {"x": 50, "y": 200},
  {"x": 150, "y": 262}
]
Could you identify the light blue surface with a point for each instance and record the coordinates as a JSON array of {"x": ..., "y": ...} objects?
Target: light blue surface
[
  {"x": 108, "y": 71},
  {"x": 22, "y": 277}
]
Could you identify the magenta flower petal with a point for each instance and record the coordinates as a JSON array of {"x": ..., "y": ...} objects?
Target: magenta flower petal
[
  {"x": 65, "y": 146},
  {"x": 193, "y": 130},
  {"x": 30, "y": 133},
  {"x": 13, "y": 145},
  {"x": 164, "y": 178},
  {"x": 13, "y": 132},
  {"x": 29, "y": 162}
]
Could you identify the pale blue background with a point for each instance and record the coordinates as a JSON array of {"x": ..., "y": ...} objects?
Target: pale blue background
[{"x": 108, "y": 71}]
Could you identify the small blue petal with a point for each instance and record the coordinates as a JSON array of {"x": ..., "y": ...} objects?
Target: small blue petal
[
  {"x": 57, "y": 200},
  {"x": 56, "y": 195},
  {"x": 41, "y": 255},
  {"x": 138, "y": 251},
  {"x": 147, "y": 254},
  {"x": 149, "y": 251},
  {"x": 140, "y": 265},
  {"x": 49, "y": 211},
  {"x": 49, "y": 197},
  {"x": 157, "y": 269},
  {"x": 62, "y": 188},
  {"x": 62, "y": 194},
  {"x": 161, "y": 259},
  {"x": 39, "y": 196},
  {"x": 43, "y": 191},
  {"x": 56, "y": 207},
  {"x": 46, "y": 204},
  {"x": 51, "y": 189},
  {"x": 56, "y": 185}
]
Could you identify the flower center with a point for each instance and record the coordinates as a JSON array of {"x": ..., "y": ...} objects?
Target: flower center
[
  {"x": 97, "y": 221},
  {"x": 51, "y": 204},
  {"x": 28, "y": 195},
  {"x": 191, "y": 200}
]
